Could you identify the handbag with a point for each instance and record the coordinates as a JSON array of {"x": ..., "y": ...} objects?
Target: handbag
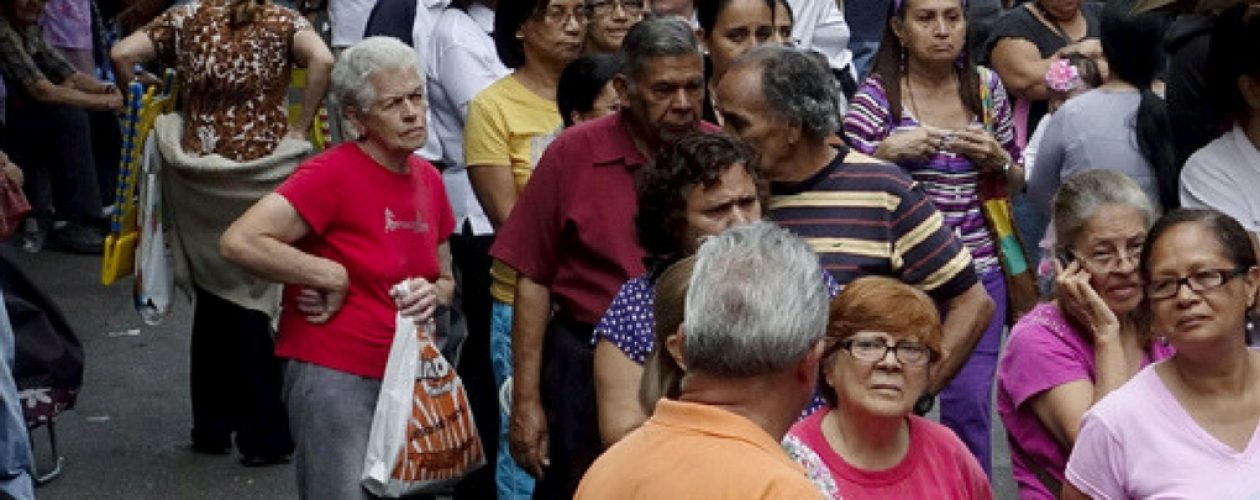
[
  {"x": 13, "y": 207},
  {"x": 995, "y": 203},
  {"x": 423, "y": 438}
]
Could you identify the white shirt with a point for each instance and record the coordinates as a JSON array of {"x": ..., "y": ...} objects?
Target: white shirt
[
  {"x": 819, "y": 25},
  {"x": 461, "y": 61},
  {"x": 349, "y": 18},
  {"x": 1223, "y": 175}
]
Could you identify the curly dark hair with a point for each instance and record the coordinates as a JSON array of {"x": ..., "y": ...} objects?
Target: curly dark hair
[{"x": 695, "y": 160}]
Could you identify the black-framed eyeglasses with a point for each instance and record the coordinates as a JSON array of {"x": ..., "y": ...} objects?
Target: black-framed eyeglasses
[
  {"x": 873, "y": 350},
  {"x": 600, "y": 8},
  {"x": 1198, "y": 281}
]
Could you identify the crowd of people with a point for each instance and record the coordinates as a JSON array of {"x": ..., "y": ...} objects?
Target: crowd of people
[{"x": 709, "y": 248}]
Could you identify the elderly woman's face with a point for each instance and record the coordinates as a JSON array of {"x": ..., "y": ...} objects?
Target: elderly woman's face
[
  {"x": 395, "y": 120},
  {"x": 932, "y": 30},
  {"x": 1190, "y": 252},
  {"x": 555, "y": 36},
  {"x": 610, "y": 21},
  {"x": 740, "y": 26},
  {"x": 1109, "y": 246},
  {"x": 870, "y": 377},
  {"x": 730, "y": 201}
]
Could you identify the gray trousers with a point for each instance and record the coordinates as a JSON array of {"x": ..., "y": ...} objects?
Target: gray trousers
[{"x": 330, "y": 415}]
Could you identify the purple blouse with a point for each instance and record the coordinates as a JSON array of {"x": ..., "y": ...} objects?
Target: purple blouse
[{"x": 949, "y": 179}]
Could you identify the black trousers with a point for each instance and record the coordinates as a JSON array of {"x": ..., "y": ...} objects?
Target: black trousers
[
  {"x": 53, "y": 146},
  {"x": 236, "y": 380},
  {"x": 568, "y": 397},
  {"x": 471, "y": 256}
]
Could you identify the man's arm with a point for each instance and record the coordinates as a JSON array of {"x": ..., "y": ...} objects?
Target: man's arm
[
  {"x": 966, "y": 318},
  {"x": 527, "y": 433}
]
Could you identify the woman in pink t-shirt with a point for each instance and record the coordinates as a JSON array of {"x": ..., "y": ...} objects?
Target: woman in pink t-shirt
[
  {"x": 1189, "y": 426},
  {"x": 1065, "y": 355},
  {"x": 882, "y": 342}
]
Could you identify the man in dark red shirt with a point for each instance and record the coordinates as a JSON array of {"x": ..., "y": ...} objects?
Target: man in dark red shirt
[{"x": 571, "y": 238}]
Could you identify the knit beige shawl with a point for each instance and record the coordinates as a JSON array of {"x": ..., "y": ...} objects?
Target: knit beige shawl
[{"x": 201, "y": 196}]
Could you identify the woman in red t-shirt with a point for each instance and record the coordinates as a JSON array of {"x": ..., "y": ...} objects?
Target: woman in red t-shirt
[
  {"x": 883, "y": 341},
  {"x": 340, "y": 233}
]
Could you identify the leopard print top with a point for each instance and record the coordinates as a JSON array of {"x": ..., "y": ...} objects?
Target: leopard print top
[{"x": 234, "y": 79}]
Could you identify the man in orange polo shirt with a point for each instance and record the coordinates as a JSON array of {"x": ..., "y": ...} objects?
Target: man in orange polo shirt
[{"x": 755, "y": 316}]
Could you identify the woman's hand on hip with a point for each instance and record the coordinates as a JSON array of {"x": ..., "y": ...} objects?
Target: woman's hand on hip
[{"x": 319, "y": 304}]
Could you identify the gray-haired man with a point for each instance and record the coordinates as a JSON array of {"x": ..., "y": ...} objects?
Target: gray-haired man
[
  {"x": 571, "y": 239},
  {"x": 752, "y": 336}
]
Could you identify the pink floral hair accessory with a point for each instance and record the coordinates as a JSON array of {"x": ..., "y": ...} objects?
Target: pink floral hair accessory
[{"x": 1063, "y": 76}]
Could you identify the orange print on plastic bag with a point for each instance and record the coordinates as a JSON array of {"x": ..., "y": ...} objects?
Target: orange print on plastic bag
[{"x": 442, "y": 442}]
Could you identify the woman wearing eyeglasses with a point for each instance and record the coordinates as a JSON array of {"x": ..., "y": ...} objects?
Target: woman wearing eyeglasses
[
  {"x": 1065, "y": 355},
  {"x": 610, "y": 20},
  {"x": 1185, "y": 427},
  {"x": 509, "y": 125},
  {"x": 883, "y": 340}
]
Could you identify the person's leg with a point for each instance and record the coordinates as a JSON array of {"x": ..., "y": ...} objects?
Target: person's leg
[
  {"x": 75, "y": 187},
  {"x": 472, "y": 264},
  {"x": 213, "y": 373},
  {"x": 966, "y": 403},
  {"x": 15, "y": 444},
  {"x": 263, "y": 432},
  {"x": 568, "y": 396},
  {"x": 330, "y": 413},
  {"x": 512, "y": 481}
]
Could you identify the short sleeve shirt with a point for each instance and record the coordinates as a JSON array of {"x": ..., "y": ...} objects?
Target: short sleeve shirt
[
  {"x": 1223, "y": 175},
  {"x": 865, "y": 217},
  {"x": 1139, "y": 442},
  {"x": 1044, "y": 352},
  {"x": 572, "y": 229},
  {"x": 383, "y": 227},
  {"x": 26, "y": 58},
  {"x": 936, "y": 466},
  {"x": 691, "y": 450},
  {"x": 234, "y": 81},
  {"x": 509, "y": 126}
]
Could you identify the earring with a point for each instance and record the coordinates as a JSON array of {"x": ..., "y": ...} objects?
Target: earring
[{"x": 904, "y": 56}]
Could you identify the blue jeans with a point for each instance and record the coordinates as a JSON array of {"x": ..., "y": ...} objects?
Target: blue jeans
[
  {"x": 513, "y": 482},
  {"x": 15, "y": 444}
]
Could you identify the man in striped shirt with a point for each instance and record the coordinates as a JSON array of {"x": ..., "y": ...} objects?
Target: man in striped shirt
[{"x": 860, "y": 215}]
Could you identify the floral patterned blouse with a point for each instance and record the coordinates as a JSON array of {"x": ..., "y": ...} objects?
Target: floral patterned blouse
[{"x": 234, "y": 79}]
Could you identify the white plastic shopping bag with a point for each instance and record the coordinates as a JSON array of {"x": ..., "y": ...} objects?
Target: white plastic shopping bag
[
  {"x": 155, "y": 280},
  {"x": 423, "y": 437}
]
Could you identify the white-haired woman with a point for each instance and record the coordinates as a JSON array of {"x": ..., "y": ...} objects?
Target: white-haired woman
[
  {"x": 230, "y": 145},
  {"x": 339, "y": 233},
  {"x": 1065, "y": 355}
]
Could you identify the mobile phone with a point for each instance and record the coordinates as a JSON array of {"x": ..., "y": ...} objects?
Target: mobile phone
[{"x": 1065, "y": 257}]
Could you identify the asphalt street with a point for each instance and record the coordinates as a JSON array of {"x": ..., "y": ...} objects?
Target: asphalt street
[{"x": 128, "y": 436}]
